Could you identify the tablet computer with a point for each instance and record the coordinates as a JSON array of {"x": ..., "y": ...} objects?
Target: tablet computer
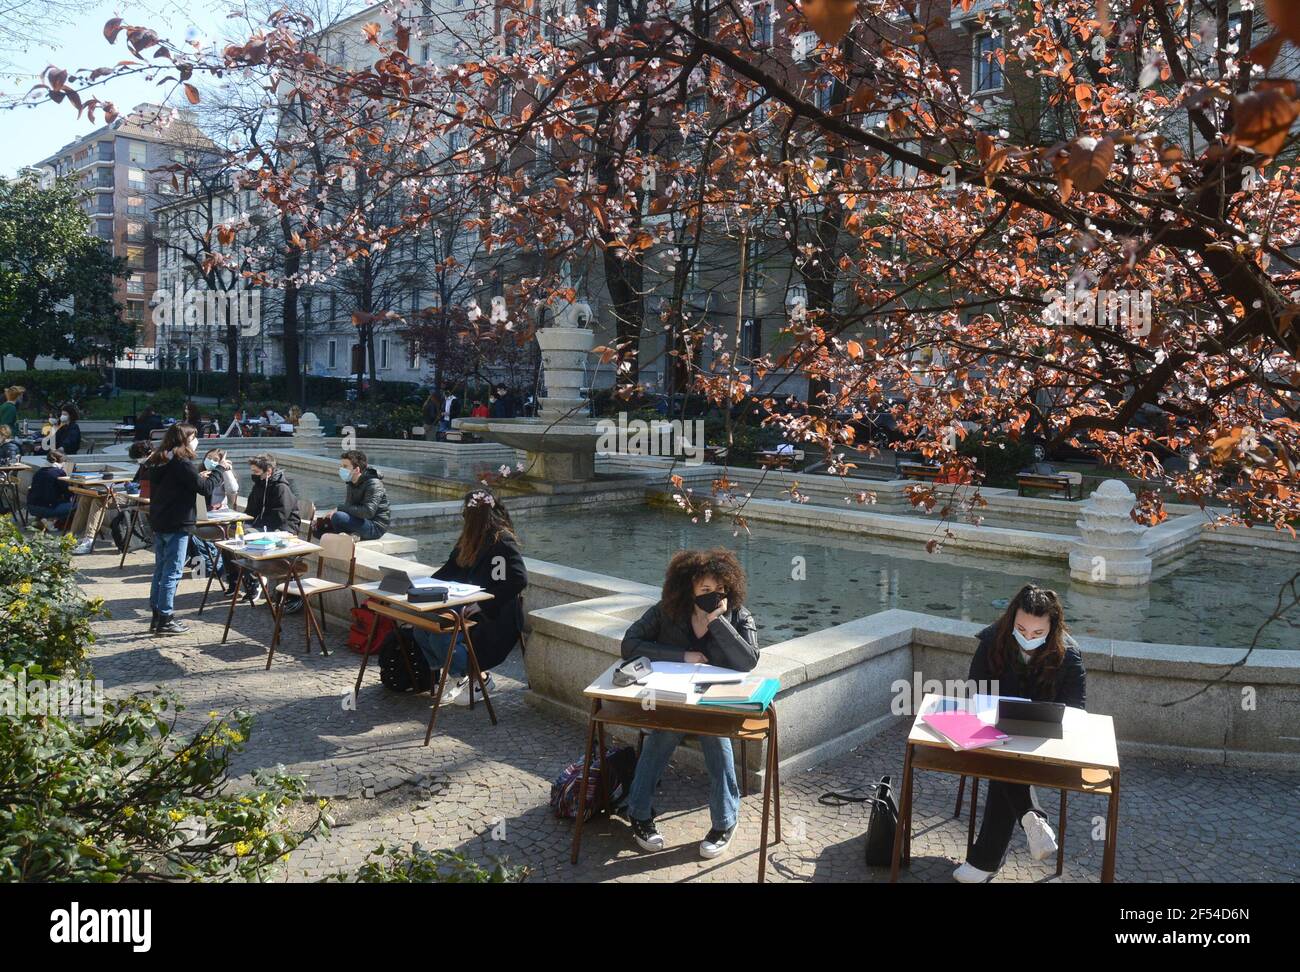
[{"x": 1042, "y": 719}]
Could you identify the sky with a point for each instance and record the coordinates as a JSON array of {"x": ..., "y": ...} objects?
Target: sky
[{"x": 28, "y": 135}]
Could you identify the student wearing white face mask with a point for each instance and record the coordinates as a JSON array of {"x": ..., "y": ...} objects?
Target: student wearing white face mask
[
  {"x": 174, "y": 484},
  {"x": 1030, "y": 654}
]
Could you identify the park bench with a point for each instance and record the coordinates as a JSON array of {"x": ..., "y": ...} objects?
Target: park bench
[
  {"x": 919, "y": 471},
  {"x": 770, "y": 459},
  {"x": 1055, "y": 482},
  {"x": 715, "y": 453}
]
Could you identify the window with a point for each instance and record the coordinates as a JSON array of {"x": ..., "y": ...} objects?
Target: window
[
  {"x": 135, "y": 231},
  {"x": 106, "y": 151},
  {"x": 424, "y": 53},
  {"x": 218, "y": 361},
  {"x": 138, "y": 152},
  {"x": 134, "y": 204},
  {"x": 697, "y": 104},
  {"x": 457, "y": 141},
  {"x": 825, "y": 91},
  {"x": 135, "y": 283},
  {"x": 504, "y": 98},
  {"x": 412, "y": 356},
  {"x": 752, "y": 258},
  {"x": 762, "y": 35},
  {"x": 135, "y": 257},
  {"x": 332, "y": 348},
  {"x": 686, "y": 256},
  {"x": 135, "y": 178},
  {"x": 987, "y": 69},
  {"x": 759, "y": 115},
  {"x": 135, "y": 311},
  {"x": 383, "y": 353}
]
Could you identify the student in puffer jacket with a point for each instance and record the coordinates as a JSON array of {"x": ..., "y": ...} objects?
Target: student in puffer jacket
[
  {"x": 701, "y": 619},
  {"x": 365, "y": 512}
]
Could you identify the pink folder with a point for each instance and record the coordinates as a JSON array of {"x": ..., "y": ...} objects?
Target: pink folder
[{"x": 964, "y": 730}]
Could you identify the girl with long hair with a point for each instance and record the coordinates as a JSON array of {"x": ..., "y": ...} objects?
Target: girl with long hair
[
  {"x": 700, "y": 619},
  {"x": 174, "y": 484},
  {"x": 486, "y": 554},
  {"x": 1028, "y": 653}
]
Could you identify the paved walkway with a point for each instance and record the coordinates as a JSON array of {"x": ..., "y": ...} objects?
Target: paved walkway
[{"x": 484, "y": 789}]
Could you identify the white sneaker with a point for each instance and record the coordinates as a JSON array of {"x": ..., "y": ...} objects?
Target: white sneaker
[
  {"x": 969, "y": 874},
  {"x": 454, "y": 691},
  {"x": 84, "y": 547},
  {"x": 1042, "y": 839},
  {"x": 463, "y": 697}
]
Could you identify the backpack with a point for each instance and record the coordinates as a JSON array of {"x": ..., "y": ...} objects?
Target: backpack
[
  {"x": 118, "y": 527},
  {"x": 621, "y": 764},
  {"x": 394, "y": 672},
  {"x": 362, "y": 617}
]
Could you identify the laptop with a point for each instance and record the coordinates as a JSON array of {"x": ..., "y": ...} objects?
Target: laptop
[{"x": 1045, "y": 720}]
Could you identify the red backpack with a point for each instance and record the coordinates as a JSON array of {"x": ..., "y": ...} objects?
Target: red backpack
[{"x": 362, "y": 619}]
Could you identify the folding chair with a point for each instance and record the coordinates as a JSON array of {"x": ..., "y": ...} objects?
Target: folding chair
[
  {"x": 306, "y": 517},
  {"x": 337, "y": 547}
]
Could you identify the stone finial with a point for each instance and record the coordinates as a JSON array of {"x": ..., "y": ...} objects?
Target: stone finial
[{"x": 1111, "y": 549}]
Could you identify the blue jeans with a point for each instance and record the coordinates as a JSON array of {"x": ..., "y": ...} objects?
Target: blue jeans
[
  {"x": 434, "y": 648},
  {"x": 342, "y": 522},
  {"x": 657, "y": 750},
  {"x": 168, "y": 562},
  {"x": 60, "y": 512}
]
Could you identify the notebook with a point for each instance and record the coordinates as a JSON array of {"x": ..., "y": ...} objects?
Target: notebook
[
  {"x": 964, "y": 730},
  {"x": 753, "y": 693}
]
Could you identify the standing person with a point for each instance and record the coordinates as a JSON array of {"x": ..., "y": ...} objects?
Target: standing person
[
  {"x": 194, "y": 417},
  {"x": 48, "y": 497},
  {"x": 432, "y": 413},
  {"x": 486, "y": 554},
  {"x": 700, "y": 619},
  {"x": 1029, "y": 653},
  {"x": 9, "y": 406},
  {"x": 450, "y": 410},
  {"x": 174, "y": 484},
  {"x": 365, "y": 512}
]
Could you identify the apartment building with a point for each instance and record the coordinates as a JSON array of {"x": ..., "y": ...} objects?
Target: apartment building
[{"x": 120, "y": 165}]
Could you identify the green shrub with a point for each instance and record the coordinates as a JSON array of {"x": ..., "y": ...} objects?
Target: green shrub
[
  {"x": 49, "y": 389},
  {"x": 129, "y": 799},
  {"x": 46, "y": 616},
  {"x": 999, "y": 457},
  {"x": 394, "y": 865}
]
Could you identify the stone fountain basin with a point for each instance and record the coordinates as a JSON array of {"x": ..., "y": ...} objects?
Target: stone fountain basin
[{"x": 534, "y": 434}]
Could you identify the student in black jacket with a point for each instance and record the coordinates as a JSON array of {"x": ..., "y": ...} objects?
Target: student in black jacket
[
  {"x": 701, "y": 619},
  {"x": 487, "y": 555},
  {"x": 174, "y": 484},
  {"x": 1028, "y": 653},
  {"x": 48, "y": 497},
  {"x": 271, "y": 502}
]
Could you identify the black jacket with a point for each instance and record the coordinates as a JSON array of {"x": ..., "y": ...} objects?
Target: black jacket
[
  {"x": 46, "y": 490},
  {"x": 367, "y": 499},
  {"x": 1071, "y": 680},
  {"x": 146, "y": 426},
  {"x": 68, "y": 438},
  {"x": 499, "y": 620},
  {"x": 731, "y": 642},
  {"x": 173, "y": 486},
  {"x": 272, "y": 505}
]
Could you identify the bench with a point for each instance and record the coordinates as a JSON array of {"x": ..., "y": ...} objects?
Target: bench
[
  {"x": 1054, "y": 482},
  {"x": 780, "y": 460},
  {"x": 920, "y": 471}
]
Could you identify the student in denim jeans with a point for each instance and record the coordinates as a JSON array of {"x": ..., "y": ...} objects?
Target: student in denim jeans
[
  {"x": 700, "y": 619},
  {"x": 174, "y": 484},
  {"x": 48, "y": 498},
  {"x": 365, "y": 511}
]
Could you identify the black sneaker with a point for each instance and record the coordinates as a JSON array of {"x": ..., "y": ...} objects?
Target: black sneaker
[
  {"x": 153, "y": 623},
  {"x": 716, "y": 841},
  {"x": 292, "y": 604},
  {"x": 171, "y": 626},
  {"x": 647, "y": 835}
]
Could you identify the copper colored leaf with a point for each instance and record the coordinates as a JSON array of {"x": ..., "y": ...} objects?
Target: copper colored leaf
[
  {"x": 1263, "y": 120},
  {"x": 112, "y": 29},
  {"x": 831, "y": 19},
  {"x": 1285, "y": 16},
  {"x": 1089, "y": 162},
  {"x": 192, "y": 94}
]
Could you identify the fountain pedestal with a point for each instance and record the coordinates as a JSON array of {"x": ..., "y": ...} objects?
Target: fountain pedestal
[
  {"x": 561, "y": 440},
  {"x": 308, "y": 434},
  {"x": 1110, "y": 551}
]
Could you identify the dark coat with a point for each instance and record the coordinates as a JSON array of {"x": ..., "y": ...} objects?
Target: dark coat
[
  {"x": 173, "y": 487},
  {"x": 731, "y": 642},
  {"x": 1071, "y": 680},
  {"x": 367, "y": 499},
  {"x": 499, "y": 620},
  {"x": 46, "y": 489},
  {"x": 146, "y": 426},
  {"x": 272, "y": 505},
  {"x": 68, "y": 438}
]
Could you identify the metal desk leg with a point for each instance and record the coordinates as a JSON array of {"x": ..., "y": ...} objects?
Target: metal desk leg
[{"x": 239, "y": 589}]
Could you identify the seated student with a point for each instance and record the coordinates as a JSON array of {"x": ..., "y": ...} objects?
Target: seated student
[
  {"x": 365, "y": 512},
  {"x": 146, "y": 423},
  {"x": 486, "y": 554},
  {"x": 1029, "y": 653},
  {"x": 10, "y": 451},
  {"x": 67, "y": 433},
  {"x": 701, "y": 619},
  {"x": 272, "y": 506},
  {"x": 48, "y": 498},
  {"x": 225, "y": 495}
]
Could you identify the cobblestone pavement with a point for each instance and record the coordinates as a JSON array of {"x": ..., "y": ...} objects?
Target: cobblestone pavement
[{"x": 484, "y": 790}]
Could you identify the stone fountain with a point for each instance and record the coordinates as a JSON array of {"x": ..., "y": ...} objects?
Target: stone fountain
[
  {"x": 1111, "y": 551},
  {"x": 561, "y": 440}
]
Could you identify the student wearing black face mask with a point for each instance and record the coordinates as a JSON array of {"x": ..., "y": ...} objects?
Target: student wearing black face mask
[
  {"x": 700, "y": 619},
  {"x": 1029, "y": 654}
]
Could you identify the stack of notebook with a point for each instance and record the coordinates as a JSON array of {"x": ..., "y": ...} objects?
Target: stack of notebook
[
  {"x": 753, "y": 692},
  {"x": 964, "y": 730}
]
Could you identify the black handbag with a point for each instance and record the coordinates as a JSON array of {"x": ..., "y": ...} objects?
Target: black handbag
[{"x": 882, "y": 825}]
